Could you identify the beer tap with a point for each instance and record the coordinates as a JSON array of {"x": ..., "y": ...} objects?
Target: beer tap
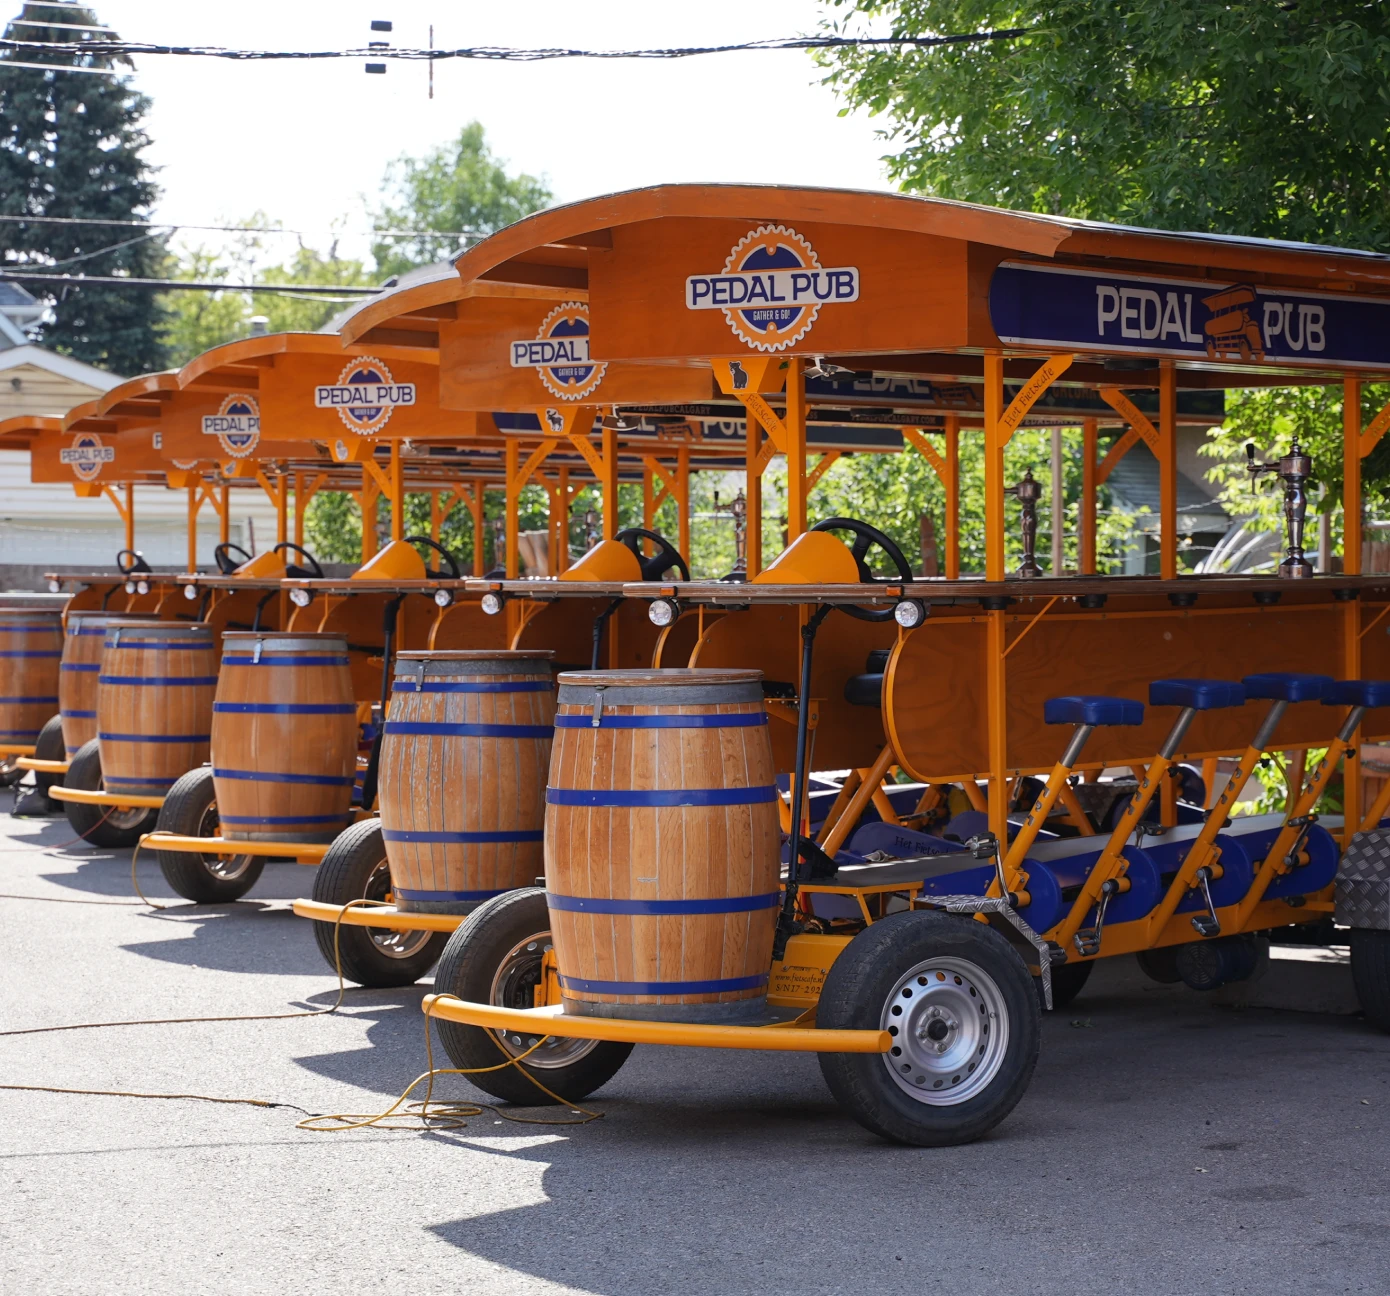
[
  {"x": 737, "y": 509},
  {"x": 1294, "y": 470},
  {"x": 1028, "y": 492}
]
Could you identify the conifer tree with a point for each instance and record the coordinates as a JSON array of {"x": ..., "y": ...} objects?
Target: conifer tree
[{"x": 71, "y": 145}]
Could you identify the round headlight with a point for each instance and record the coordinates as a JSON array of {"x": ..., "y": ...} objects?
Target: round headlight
[
  {"x": 662, "y": 612},
  {"x": 130, "y": 587},
  {"x": 492, "y": 603},
  {"x": 142, "y": 587},
  {"x": 910, "y": 613},
  {"x": 54, "y": 587},
  {"x": 443, "y": 598},
  {"x": 190, "y": 591},
  {"x": 301, "y": 597}
]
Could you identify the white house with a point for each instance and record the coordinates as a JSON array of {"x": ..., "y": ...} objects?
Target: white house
[{"x": 48, "y": 527}]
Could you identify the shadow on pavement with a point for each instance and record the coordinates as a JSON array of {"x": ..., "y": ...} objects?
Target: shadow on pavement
[{"x": 249, "y": 936}]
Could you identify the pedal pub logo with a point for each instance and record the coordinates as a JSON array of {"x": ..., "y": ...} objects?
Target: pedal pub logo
[
  {"x": 559, "y": 353},
  {"x": 236, "y": 425},
  {"x": 772, "y": 288},
  {"x": 86, "y": 455},
  {"x": 365, "y": 396}
]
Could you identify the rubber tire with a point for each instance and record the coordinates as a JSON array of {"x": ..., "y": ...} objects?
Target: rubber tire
[
  {"x": 1370, "y": 973},
  {"x": 853, "y": 998},
  {"x": 466, "y": 969},
  {"x": 49, "y": 746},
  {"x": 88, "y": 821},
  {"x": 341, "y": 876},
  {"x": 1068, "y": 981},
  {"x": 1160, "y": 965},
  {"x": 186, "y": 812}
]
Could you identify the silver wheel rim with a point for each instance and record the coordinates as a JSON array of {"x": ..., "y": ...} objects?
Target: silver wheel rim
[
  {"x": 950, "y": 1031},
  {"x": 225, "y": 868},
  {"x": 391, "y": 944},
  {"x": 513, "y": 986},
  {"x": 123, "y": 820}
]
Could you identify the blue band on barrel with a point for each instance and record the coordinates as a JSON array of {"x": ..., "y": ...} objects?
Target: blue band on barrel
[
  {"x": 20, "y": 701},
  {"x": 615, "y": 798},
  {"x": 438, "y": 897},
  {"x": 21, "y": 735},
  {"x": 663, "y": 987},
  {"x": 277, "y": 820},
  {"x": 443, "y": 729},
  {"x": 263, "y": 776},
  {"x": 404, "y": 684},
  {"x": 245, "y": 659},
  {"x": 78, "y": 715},
  {"x": 84, "y": 667},
  {"x": 155, "y": 738},
  {"x": 162, "y": 680},
  {"x": 142, "y": 782},
  {"x": 663, "y": 908},
  {"x": 285, "y": 708},
  {"x": 422, "y": 837},
  {"x": 15, "y": 653},
  {"x": 735, "y": 720},
  {"x": 88, "y": 630}
]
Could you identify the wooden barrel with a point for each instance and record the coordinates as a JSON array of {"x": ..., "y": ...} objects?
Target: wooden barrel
[
  {"x": 78, "y": 671},
  {"x": 463, "y": 766},
  {"x": 31, "y": 646},
  {"x": 154, "y": 703},
  {"x": 284, "y": 736},
  {"x": 662, "y": 844}
]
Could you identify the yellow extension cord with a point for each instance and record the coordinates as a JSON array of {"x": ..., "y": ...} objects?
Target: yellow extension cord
[{"x": 424, "y": 1114}]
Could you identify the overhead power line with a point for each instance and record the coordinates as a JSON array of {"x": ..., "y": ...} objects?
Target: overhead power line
[
  {"x": 498, "y": 53},
  {"x": 235, "y": 229},
  {"x": 196, "y": 285}
]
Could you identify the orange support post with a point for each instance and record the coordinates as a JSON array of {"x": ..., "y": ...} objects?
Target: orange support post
[
  {"x": 994, "y": 466},
  {"x": 798, "y": 486},
  {"x": 952, "y": 485},
  {"x": 397, "y": 493},
  {"x": 1090, "y": 435},
  {"x": 682, "y": 494},
  {"x": 195, "y": 503},
  {"x": 1168, "y": 468},
  {"x": 753, "y": 498}
]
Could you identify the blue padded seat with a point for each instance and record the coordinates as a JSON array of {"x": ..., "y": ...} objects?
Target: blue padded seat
[
  {"x": 1288, "y": 686},
  {"x": 1199, "y": 694},
  {"x": 1362, "y": 693},
  {"x": 1093, "y": 709}
]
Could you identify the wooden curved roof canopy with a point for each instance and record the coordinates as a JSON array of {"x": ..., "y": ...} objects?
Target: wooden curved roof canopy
[{"x": 928, "y": 286}]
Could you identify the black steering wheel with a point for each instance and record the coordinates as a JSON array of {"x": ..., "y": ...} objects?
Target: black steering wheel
[
  {"x": 455, "y": 571},
  {"x": 312, "y": 572},
  {"x": 222, "y": 556},
  {"x": 136, "y": 563},
  {"x": 666, "y": 556},
  {"x": 865, "y": 537}
]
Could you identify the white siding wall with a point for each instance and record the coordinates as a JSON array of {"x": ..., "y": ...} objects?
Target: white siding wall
[{"x": 49, "y": 524}]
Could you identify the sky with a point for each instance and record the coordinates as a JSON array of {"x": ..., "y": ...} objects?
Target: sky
[{"x": 307, "y": 143}]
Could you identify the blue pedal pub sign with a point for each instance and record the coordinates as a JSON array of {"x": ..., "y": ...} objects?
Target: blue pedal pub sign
[{"x": 1221, "y": 322}]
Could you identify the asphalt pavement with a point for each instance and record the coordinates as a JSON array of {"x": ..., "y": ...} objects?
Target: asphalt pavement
[{"x": 1167, "y": 1145}]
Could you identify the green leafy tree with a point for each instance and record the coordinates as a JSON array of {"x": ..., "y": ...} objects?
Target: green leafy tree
[
  {"x": 196, "y": 320},
  {"x": 1244, "y": 118},
  {"x": 71, "y": 145},
  {"x": 461, "y": 186},
  {"x": 1248, "y": 118}
]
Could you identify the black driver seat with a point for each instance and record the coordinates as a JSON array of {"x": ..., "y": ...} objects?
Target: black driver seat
[{"x": 866, "y": 690}]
